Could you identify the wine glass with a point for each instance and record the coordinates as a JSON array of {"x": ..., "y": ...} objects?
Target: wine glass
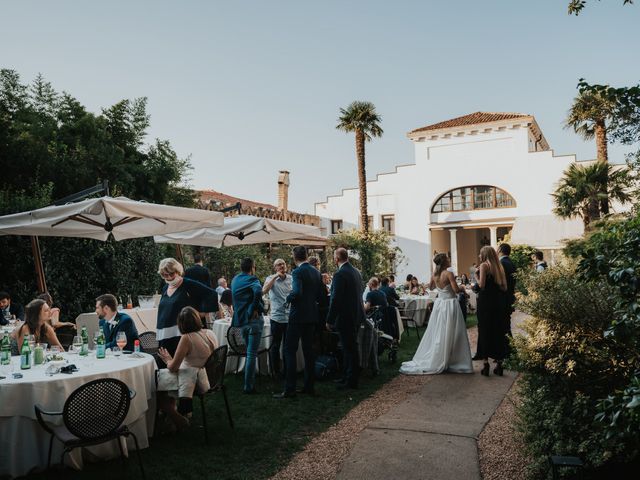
[
  {"x": 76, "y": 345},
  {"x": 121, "y": 340}
]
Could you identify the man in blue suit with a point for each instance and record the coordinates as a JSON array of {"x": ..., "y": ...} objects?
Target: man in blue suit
[
  {"x": 346, "y": 314},
  {"x": 307, "y": 295},
  {"x": 112, "y": 322}
]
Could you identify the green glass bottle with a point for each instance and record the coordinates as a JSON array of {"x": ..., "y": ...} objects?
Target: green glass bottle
[
  {"x": 25, "y": 355},
  {"x": 100, "y": 347},
  {"x": 5, "y": 350},
  {"x": 84, "y": 350}
]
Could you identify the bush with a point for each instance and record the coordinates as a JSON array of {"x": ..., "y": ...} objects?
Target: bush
[{"x": 580, "y": 354}]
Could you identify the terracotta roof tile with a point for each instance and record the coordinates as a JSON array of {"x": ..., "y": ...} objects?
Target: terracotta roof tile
[
  {"x": 471, "y": 119},
  {"x": 227, "y": 200}
]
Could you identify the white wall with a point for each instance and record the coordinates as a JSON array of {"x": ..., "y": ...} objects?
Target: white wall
[{"x": 500, "y": 158}]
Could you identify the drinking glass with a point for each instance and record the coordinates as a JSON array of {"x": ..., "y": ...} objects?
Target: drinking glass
[
  {"x": 76, "y": 345},
  {"x": 31, "y": 339},
  {"x": 116, "y": 351},
  {"x": 121, "y": 340}
]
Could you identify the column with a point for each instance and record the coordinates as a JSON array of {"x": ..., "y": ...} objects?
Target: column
[
  {"x": 453, "y": 248},
  {"x": 429, "y": 254},
  {"x": 494, "y": 236}
]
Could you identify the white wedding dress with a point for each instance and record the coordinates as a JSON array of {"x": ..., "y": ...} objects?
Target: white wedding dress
[{"x": 445, "y": 345}]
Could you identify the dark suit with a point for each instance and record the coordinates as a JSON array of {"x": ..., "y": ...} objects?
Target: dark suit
[
  {"x": 308, "y": 294},
  {"x": 346, "y": 314},
  {"x": 14, "y": 309},
  {"x": 510, "y": 272},
  {"x": 392, "y": 296},
  {"x": 199, "y": 273},
  {"x": 125, "y": 324}
]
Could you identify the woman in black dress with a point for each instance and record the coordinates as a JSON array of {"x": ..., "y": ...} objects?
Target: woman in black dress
[{"x": 492, "y": 302}]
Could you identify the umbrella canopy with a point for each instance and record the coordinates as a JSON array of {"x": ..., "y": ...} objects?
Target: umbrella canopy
[
  {"x": 245, "y": 230},
  {"x": 98, "y": 218}
]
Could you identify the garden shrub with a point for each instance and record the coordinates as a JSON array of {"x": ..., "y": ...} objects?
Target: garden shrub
[{"x": 580, "y": 354}]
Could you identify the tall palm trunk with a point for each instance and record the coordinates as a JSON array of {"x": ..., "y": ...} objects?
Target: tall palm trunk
[
  {"x": 602, "y": 156},
  {"x": 362, "y": 181}
]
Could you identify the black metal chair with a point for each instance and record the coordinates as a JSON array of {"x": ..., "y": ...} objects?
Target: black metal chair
[
  {"x": 148, "y": 343},
  {"x": 408, "y": 316},
  {"x": 562, "y": 462},
  {"x": 215, "y": 367},
  {"x": 238, "y": 348},
  {"x": 93, "y": 414}
]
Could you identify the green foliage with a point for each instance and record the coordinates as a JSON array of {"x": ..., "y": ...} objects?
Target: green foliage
[
  {"x": 581, "y": 352},
  {"x": 576, "y": 6},
  {"x": 568, "y": 364},
  {"x": 583, "y": 189},
  {"x": 372, "y": 253},
  {"x": 51, "y": 147},
  {"x": 521, "y": 258},
  {"x": 360, "y": 116}
]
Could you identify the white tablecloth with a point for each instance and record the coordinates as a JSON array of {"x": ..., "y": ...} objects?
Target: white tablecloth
[
  {"x": 422, "y": 303},
  {"x": 24, "y": 444},
  {"x": 220, "y": 328}
]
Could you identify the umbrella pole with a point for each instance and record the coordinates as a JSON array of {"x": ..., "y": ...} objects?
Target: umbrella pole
[
  {"x": 37, "y": 260},
  {"x": 179, "y": 255}
]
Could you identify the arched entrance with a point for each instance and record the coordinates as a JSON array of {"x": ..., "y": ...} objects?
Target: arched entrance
[{"x": 465, "y": 219}]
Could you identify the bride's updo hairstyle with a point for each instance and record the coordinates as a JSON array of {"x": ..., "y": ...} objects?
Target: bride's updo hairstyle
[{"x": 442, "y": 263}]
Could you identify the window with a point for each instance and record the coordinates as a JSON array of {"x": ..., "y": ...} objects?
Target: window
[
  {"x": 336, "y": 226},
  {"x": 388, "y": 224},
  {"x": 473, "y": 198}
]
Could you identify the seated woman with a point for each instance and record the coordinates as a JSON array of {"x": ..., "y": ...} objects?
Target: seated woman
[
  {"x": 54, "y": 321},
  {"x": 37, "y": 314},
  {"x": 184, "y": 371},
  {"x": 415, "y": 288},
  {"x": 226, "y": 305}
]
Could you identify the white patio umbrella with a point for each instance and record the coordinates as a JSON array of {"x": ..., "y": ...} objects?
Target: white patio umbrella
[
  {"x": 245, "y": 230},
  {"x": 98, "y": 218}
]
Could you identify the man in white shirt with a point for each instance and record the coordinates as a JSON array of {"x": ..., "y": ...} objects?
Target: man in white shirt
[
  {"x": 222, "y": 286},
  {"x": 278, "y": 286}
]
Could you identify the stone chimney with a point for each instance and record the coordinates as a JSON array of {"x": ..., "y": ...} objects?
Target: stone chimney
[{"x": 283, "y": 190}]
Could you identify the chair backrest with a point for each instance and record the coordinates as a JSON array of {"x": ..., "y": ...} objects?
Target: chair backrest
[
  {"x": 97, "y": 409},
  {"x": 410, "y": 309},
  {"x": 236, "y": 341},
  {"x": 91, "y": 321},
  {"x": 215, "y": 367},
  {"x": 148, "y": 342}
]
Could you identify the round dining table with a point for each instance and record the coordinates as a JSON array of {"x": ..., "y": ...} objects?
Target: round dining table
[
  {"x": 24, "y": 444},
  {"x": 234, "y": 363},
  {"x": 422, "y": 305}
]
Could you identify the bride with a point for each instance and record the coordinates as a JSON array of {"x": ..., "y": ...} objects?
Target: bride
[{"x": 445, "y": 345}]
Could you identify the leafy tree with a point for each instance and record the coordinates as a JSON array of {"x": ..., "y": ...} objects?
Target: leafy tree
[
  {"x": 585, "y": 189},
  {"x": 576, "y": 6},
  {"x": 362, "y": 119},
  {"x": 371, "y": 252},
  {"x": 51, "y": 147}
]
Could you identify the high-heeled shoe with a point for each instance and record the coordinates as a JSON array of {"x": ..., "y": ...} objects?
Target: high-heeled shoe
[
  {"x": 485, "y": 370},
  {"x": 498, "y": 370}
]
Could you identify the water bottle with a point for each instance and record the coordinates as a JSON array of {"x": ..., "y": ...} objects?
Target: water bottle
[
  {"x": 25, "y": 355},
  {"x": 136, "y": 346},
  {"x": 5, "y": 350},
  {"x": 100, "y": 346},
  {"x": 84, "y": 350}
]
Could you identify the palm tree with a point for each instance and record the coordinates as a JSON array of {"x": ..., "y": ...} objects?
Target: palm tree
[
  {"x": 583, "y": 190},
  {"x": 361, "y": 118},
  {"x": 588, "y": 117}
]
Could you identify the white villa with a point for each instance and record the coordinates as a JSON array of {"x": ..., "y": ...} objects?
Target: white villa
[{"x": 475, "y": 179}]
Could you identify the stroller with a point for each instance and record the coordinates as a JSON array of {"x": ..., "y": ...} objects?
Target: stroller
[{"x": 385, "y": 325}]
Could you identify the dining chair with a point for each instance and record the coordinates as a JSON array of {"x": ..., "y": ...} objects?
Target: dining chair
[
  {"x": 215, "y": 367},
  {"x": 408, "y": 315},
  {"x": 148, "y": 342},
  {"x": 238, "y": 348},
  {"x": 85, "y": 424}
]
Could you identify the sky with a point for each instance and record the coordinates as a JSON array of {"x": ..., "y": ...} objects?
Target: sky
[{"x": 248, "y": 88}]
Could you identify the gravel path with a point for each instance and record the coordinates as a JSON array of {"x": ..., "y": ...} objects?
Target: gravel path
[
  {"x": 322, "y": 458},
  {"x": 500, "y": 450}
]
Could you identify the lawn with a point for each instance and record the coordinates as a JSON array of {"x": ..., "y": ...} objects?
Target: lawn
[{"x": 267, "y": 433}]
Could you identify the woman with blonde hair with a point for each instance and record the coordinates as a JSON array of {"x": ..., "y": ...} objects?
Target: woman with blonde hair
[
  {"x": 492, "y": 302},
  {"x": 445, "y": 345},
  {"x": 178, "y": 293}
]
